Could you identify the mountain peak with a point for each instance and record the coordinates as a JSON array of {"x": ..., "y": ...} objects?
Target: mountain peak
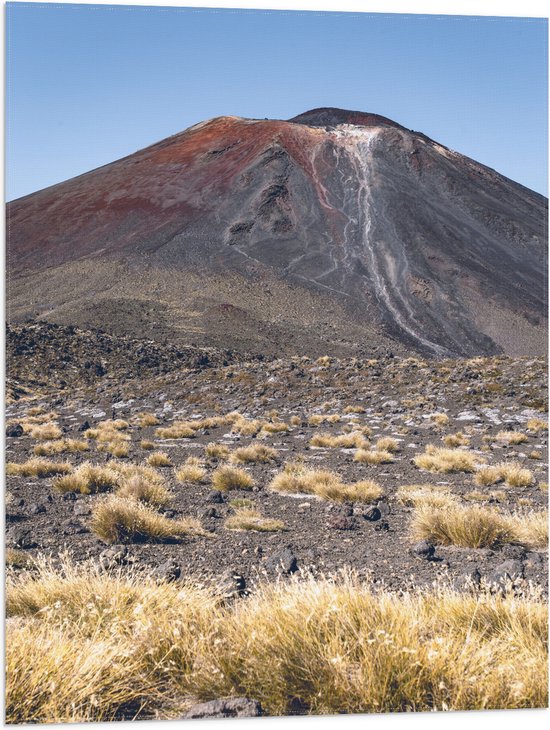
[{"x": 332, "y": 117}]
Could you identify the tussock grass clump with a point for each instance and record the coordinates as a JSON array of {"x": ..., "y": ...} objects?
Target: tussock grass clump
[
  {"x": 37, "y": 467},
  {"x": 374, "y": 456},
  {"x": 415, "y": 495},
  {"x": 46, "y": 432},
  {"x": 476, "y": 527},
  {"x": 191, "y": 471},
  {"x": 511, "y": 473},
  {"x": 452, "y": 440},
  {"x": 355, "y": 439},
  {"x": 246, "y": 426},
  {"x": 119, "y": 520},
  {"x": 250, "y": 519},
  {"x": 118, "y": 449},
  {"x": 387, "y": 443},
  {"x": 18, "y": 559},
  {"x": 130, "y": 645},
  {"x": 147, "y": 419},
  {"x": 147, "y": 445},
  {"x": 440, "y": 460},
  {"x": 275, "y": 427},
  {"x": 316, "y": 419},
  {"x": 354, "y": 409},
  {"x": 511, "y": 438},
  {"x": 440, "y": 419},
  {"x": 178, "y": 430},
  {"x": 229, "y": 477},
  {"x": 296, "y": 479},
  {"x": 144, "y": 485},
  {"x": 255, "y": 453},
  {"x": 469, "y": 526},
  {"x": 536, "y": 425},
  {"x": 88, "y": 478},
  {"x": 159, "y": 458},
  {"x": 215, "y": 451},
  {"x": 61, "y": 446}
]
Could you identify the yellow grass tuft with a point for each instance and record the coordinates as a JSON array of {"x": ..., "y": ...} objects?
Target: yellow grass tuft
[
  {"x": 536, "y": 425},
  {"x": 88, "y": 478},
  {"x": 118, "y": 520},
  {"x": 452, "y": 440},
  {"x": 511, "y": 473},
  {"x": 178, "y": 430},
  {"x": 438, "y": 459},
  {"x": 440, "y": 419},
  {"x": 229, "y": 477},
  {"x": 295, "y": 479},
  {"x": 191, "y": 471},
  {"x": 144, "y": 484},
  {"x": 511, "y": 437},
  {"x": 61, "y": 446},
  {"x": 416, "y": 495},
  {"x": 376, "y": 456},
  {"x": 251, "y": 519},
  {"x": 147, "y": 419},
  {"x": 147, "y": 445},
  {"x": 130, "y": 646},
  {"x": 37, "y": 467},
  {"x": 275, "y": 427},
  {"x": 245, "y": 426},
  {"x": 255, "y": 453},
  {"x": 159, "y": 458},
  {"x": 355, "y": 439},
  {"x": 387, "y": 443},
  {"x": 217, "y": 452},
  {"x": 46, "y": 432}
]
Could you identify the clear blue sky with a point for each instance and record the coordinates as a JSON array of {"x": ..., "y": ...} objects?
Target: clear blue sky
[{"x": 89, "y": 84}]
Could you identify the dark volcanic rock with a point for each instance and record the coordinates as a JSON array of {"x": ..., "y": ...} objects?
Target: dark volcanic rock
[
  {"x": 424, "y": 550},
  {"x": 14, "y": 430},
  {"x": 283, "y": 562},
  {"x": 232, "y": 707}
]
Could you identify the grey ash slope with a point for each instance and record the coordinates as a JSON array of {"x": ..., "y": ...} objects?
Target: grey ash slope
[{"x": 334, "y": 232}]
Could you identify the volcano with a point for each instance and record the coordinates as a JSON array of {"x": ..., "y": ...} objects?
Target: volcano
[{"x": 334, "y": 232}]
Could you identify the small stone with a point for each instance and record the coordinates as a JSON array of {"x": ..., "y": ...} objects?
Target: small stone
[
  {"x": 424, "y": 550},
  {"x": 14, "y": 430},
  {"x": 82, "y": 509},
  {"x": 384, "y": 508},
  {"x": 36, "y": 508},
  {"x": 209, "y": 512},
  {"x": 232, "y": 707},
  {"x": 21, "y": 537},
  {"x": 84, "y": 426},
  {"x": 283, "y": 562},
  {"x": 215, "y": 497},
  {"x": 341, "y": 522},
  {"x": 469, "y": 581},
  {"x": 168, "y": 571},
  {"x": 509, "y": 570},
  {"x": 232, "y": 584},
  {"x": 69, "y": 496},
  {"x": 382, "y": 526},
  {"x": 113, "y": 556},
  {"x": 169, "y": 513},
  {"x": 372, "y": 514}
]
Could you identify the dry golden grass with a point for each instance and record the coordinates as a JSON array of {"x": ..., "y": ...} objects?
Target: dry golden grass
[
  {"x": 147, "y": 419},
  {"x": 511, "y": 473},
  {"x": 536, "y": 425},
  {"x": 355, "y": 439},
  {"x": 511, "y": 437},
  {"x": 354, "y": 409},
  {"x": 295, "y": 421},
  {"x": 296, "y": 479},
  {"x": 191, "y": 471},
  {"x": 246, "y": 426},
  {"x": 440, "y": 460},
  {"x": 537, "y": 455},
  {"x": 145, "y": 485},
  {"x": 18, "y": 559},
  {"x": 476, "y": 496},
  {"x": 543, "y": 486},
  {"x": 46, "y": 432},
  {"x": 217, "y": 452},
  {"x": 61, "y": 446},
  {"x": 119, "y": 449},
  {"x": 159, "y": 458},
  {"x": 275, "y": 427},
  {"x": 250, "y": 519},
  {"x": 178, "y": 430},
  {"x": 477, "y": 527},
  {"x": 387, "y": 443},
  {"x": 119, "y": 520},
  {"x": 316, "y": 419},
  {"x": 37, "y": 467},
  {"x": 440, "y": 419},
  {"x": 88, "y": 478},
  {"x": 415, "y": 495},
  {"x": 255, "y": 453},
  {"x": 229, "y": 477},
  {"x": 452, "y": 440},
  {"x": 376, "y": 456},
  {"x": 129, "y": 646},
  {"x": 147, "y": 445}
]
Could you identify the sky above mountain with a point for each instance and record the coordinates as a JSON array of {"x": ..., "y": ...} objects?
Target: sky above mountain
[{"x": 89, "y": 84}]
